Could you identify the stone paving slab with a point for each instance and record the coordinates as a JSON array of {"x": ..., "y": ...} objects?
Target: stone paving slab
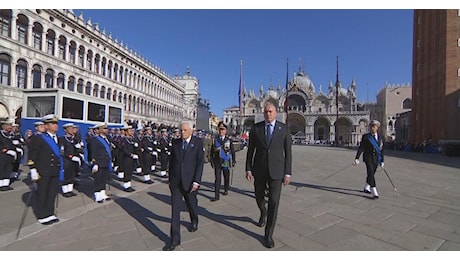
[{"x": 316, "y": 213}]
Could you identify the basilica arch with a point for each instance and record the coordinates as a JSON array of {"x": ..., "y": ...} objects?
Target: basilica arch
[
  {"x": 345, "y": 129},
  {"x": 296, "y": 102},
  {"x": 322, "y": 129},
  {"x": 3, "y": 111},
  {"x": 296, "y": 123}
]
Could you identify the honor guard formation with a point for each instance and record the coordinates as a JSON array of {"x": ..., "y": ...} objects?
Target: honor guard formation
[{"x": 56, "y": 163}]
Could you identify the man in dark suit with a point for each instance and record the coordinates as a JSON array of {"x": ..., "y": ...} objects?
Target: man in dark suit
[
  {"x": 269, "y": 162},
  {"x": 372, "y": 147},
  {"x": 185, "y": 171},
  {"x": 46, "y": 165}
]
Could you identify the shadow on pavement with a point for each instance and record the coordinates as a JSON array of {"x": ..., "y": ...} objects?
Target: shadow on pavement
[
  {"x": 143, "y": 216},
  {"x": 219, "y": 218},
  {"x": 345, "y": 191}
]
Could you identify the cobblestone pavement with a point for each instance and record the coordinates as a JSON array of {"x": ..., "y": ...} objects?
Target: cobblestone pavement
[{"x": 316, "y": 213}]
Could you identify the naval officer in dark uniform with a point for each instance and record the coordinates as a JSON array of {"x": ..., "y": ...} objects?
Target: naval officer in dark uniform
[
  {"x": 372, "y": 149},
  {"x": 46, "y": 169},
  {"x": 101, "y": 150}
]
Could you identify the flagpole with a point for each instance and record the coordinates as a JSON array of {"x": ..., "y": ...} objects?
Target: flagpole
[
  {"x": 287, "y": 90},
  {"x": 337, "y": 83},
  {"x": 240, "y": 100}
]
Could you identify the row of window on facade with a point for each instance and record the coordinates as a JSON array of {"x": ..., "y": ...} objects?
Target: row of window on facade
[
  {"x": 131, "y": 103},
  {"x": 99, "y": 65}
]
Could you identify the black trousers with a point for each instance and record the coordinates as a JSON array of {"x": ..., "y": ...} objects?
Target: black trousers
[
  {"x": 371, "y": 167},
  {"x": 261, "y": 184},
  {"x": 6, "y": 166},
  {"x": 129, "y": 166},
  {"x": 218, "y": 170},
  {"x": 100, "y": 178},
  {"x": 164, "y": 160},
  {"x": 191, "y": 201},
  {"x": 149, "y": 160},
  {"x": 70, "y": 171},
  {"x": 47, "y": 189}
]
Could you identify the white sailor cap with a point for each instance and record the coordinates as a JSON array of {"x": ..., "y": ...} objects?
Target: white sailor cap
[
  {"x": 8, "y": 121},
  {"x": 101, "y": 126},
  {"x": 374, "y": 122},
  {"x": 164, "y": 130},
  {"x": 68, "y": 125},
  {"x": 126, "y": 127},
  {"x": 38, "y": 123},
  {"x": 49, "y": 119}
]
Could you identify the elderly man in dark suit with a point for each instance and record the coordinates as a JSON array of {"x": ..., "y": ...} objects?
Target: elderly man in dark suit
[
  {"x": 185, "y": 171},
  {"x": 269, "y": 162}
]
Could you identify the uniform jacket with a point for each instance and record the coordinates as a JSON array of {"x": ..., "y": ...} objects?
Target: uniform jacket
[
  {"x": 42, "y": 157},
  {"x": 215, "y": 156},
  {"x": 99, "y": 153},
  {"x": 367, "y": 149}
]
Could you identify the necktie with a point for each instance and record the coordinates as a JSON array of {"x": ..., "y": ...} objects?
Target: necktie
[
  {"x": 184, "y": 145},
  {"x": 55, "y": 139},
  {"x": 268, "y": 133}
]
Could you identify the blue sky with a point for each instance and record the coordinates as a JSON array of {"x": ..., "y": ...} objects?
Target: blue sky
[{"x": 373, "y": 45}]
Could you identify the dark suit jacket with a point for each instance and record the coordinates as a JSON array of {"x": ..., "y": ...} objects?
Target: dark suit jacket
[
  {"x": 100, "y": 155},
  {"x": 366, "y": 147},
  {"x": 274, "y": 158},
  {"x": 189, "y": 167},
  {"x": 42, "y": 157}
]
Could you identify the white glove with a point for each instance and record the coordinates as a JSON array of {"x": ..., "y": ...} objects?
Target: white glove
[
  {"x": 356, "y": 162},
  {"x": 21, "y": 139},
  {"x": 382, "y": 165},
  {"x": 12, "y": 153},
  {"x": 19, "y": 150},
  {"x": 154, "y": 153},
  {"x": 95, "y": 168},
  {"x": 136, "y": 145},
  {"x": 78, "y": 146},
  {"x": 34, "y": 174},
  {"x": 155, "y": 142},
  {"x": 135, "y": 156},
  {"x": 77, "y": 159},
  {"x": 15, "y": 142},
  {"x": 159, "y": 150},
  {"x": 82, "y": 144},
  {"x": 150, "y": 148}
]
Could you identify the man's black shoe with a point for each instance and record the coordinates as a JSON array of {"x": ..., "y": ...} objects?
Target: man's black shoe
[
  {"x": 269, "y": 243},
  {"x": 129, "y": 189},
  {"x": 262, "y": 221},
  {"x": 193, "y": 228},
  {"x": 366, "y": 191},
  {"x": 148, "y": 182},
  {"x": 170, "y": 247},
  {"x": 225, "y": 193},
  {"x": 72, "y": 194},
  {"x": 214, "y": 199},
  {"x": 67, "y": 195},
  {"x": 54, "y": 220}
]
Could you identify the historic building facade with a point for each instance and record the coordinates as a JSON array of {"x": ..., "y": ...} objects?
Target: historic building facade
[
  {"x": 311, "y": 112},
  {"x": 392, "y": 100},
  {"x": 51, "y": 48}
]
